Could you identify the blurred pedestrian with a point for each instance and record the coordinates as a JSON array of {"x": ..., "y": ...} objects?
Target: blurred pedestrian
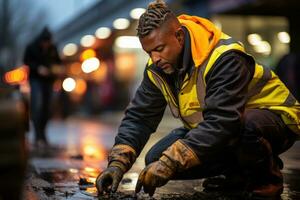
[
  {"x": 237, "y": 115},
  {"x": 288, "y": 70},
  {"x": 42, "y": 58}
]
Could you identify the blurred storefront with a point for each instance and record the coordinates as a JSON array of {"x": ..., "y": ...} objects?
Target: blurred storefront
[
  {"x": 264, "y": 37},
  {"x": 100, "y": 49},
  {"x": 267, "y": 28},
  {"x": 107, "y": 76}
]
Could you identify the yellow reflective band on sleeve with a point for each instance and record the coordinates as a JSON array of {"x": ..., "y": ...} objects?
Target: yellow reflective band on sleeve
[
  {"x": 258, "y": 73},
  {"x": 219, "y": 51},
  {"x": 261, "y": 77},
  {"x": 150, "y": 75}
]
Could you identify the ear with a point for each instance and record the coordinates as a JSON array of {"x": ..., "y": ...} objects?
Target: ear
[{"x": 179, "y": 34}]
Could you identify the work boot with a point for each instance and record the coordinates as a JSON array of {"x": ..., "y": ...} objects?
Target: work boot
[
  {"x": 256, "y": 159},
  {"x": 268, "y": 183},
  {"x": 268, "y": 191}
]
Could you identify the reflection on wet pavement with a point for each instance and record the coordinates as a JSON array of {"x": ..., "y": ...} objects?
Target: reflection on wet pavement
[{"x": 69, "y": 168}]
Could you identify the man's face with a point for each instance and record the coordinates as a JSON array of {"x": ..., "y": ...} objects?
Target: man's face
[{"x": 164, "y": 47}]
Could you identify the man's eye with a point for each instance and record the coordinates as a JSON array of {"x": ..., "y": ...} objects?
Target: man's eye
[{"x": 159, "y": 49}]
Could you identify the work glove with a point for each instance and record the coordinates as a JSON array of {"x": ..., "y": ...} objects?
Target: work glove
[
  {"x": 177, "y": 158},
  {"x": 155, "y": 175},
  {"x": 120, "y": 160},
  {"x": 109, "y": 180}
]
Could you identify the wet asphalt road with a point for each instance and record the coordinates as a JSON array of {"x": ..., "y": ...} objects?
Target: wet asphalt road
[{"x": 69, "y": 168}]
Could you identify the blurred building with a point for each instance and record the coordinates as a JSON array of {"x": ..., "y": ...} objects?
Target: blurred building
[
  {"x": 272, "y": 22},
  {"x": 105, "y": 61}
]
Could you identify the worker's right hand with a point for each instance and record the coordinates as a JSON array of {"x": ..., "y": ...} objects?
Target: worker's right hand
[{"x": 108, "y": 181}]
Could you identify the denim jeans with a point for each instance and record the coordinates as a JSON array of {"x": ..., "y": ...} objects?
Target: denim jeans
[{"x": 40, "y": 100}]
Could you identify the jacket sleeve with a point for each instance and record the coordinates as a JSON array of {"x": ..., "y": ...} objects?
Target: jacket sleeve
[
  {"x": 142, "y": 116},
  {"x": 225, "y": 100}
]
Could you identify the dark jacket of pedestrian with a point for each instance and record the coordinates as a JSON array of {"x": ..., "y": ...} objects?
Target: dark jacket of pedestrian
[
  {"x": 42, "y": 57},
  {"x": 42, "y": 53}
]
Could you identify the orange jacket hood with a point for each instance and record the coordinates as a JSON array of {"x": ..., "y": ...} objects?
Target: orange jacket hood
[{"x": 204, "y": 36}]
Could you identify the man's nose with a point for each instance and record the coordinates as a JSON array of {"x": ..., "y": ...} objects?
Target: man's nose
[{"x": 155, "y": 58}]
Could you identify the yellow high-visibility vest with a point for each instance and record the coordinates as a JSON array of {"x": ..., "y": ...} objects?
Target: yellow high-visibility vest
[{"x": 265, "y": 90}]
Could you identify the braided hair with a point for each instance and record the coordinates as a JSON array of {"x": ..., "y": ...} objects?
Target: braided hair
[{"x": 156, "y": 13}]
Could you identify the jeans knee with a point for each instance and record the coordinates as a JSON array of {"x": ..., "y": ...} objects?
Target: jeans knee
[
  {"x": 156, "y": 151},
  {"x": 150, "y": 158}
]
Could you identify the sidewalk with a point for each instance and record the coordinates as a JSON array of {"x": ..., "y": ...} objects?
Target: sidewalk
[{"x": 78, "y": 155}]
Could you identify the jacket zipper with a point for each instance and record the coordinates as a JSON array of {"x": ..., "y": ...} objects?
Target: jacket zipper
[{"x": 175, "y": 99}]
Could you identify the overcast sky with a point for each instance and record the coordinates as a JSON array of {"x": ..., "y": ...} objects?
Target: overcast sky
[{"x": 61, "y": 11}]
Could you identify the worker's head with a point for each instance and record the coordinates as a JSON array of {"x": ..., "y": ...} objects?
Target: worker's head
[
  {"x": 161, "y": 36},
  {"x": 45, "y": 38}
]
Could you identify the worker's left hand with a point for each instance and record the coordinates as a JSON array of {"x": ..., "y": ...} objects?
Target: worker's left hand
[{"x": 154, "y": 175}]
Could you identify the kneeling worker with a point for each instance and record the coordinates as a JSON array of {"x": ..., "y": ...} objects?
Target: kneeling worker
[{"x": 237, "y": 115}]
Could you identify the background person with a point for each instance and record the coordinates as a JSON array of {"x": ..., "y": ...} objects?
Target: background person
[{"x": 42, "y": 57}]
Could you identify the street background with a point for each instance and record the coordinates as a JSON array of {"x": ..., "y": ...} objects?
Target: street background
[
  {"x": 79, "y": 151},
  {"x": 102, "y": 65}
]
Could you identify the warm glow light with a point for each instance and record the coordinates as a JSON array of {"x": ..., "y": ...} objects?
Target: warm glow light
[
  {"x": 88, "y": 53},
  {"x": 92, "y": 150},
  {"x": 69, "y": 84},
  {"x": 125, "y": 66},
  {"x": 80, "y": 87},
  {"x": 70, "y": 49},
  {"x": 263, "y": 47},
  {"x": 128, "y": 42},
  {"x": 103, "y": 32},
  {"x": 17, "y": 76},
  {"x": 137, "y": 12},
  {"x": 100, "y": 74},
  {"x": 121, "y": 23},
  {"x": 284, "y": 37},
  {"x": 75, "y": 68},
  {"x": 74, "y": 171},
  {"x": 87, "y": 40},
  {"x": 91, "y": 179},
  {"x": 90, "y": 65},
  {"x": 89, "y": 150},
  {"x": 89, "y": 169},
  {"x": 254, "y": 39}
]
